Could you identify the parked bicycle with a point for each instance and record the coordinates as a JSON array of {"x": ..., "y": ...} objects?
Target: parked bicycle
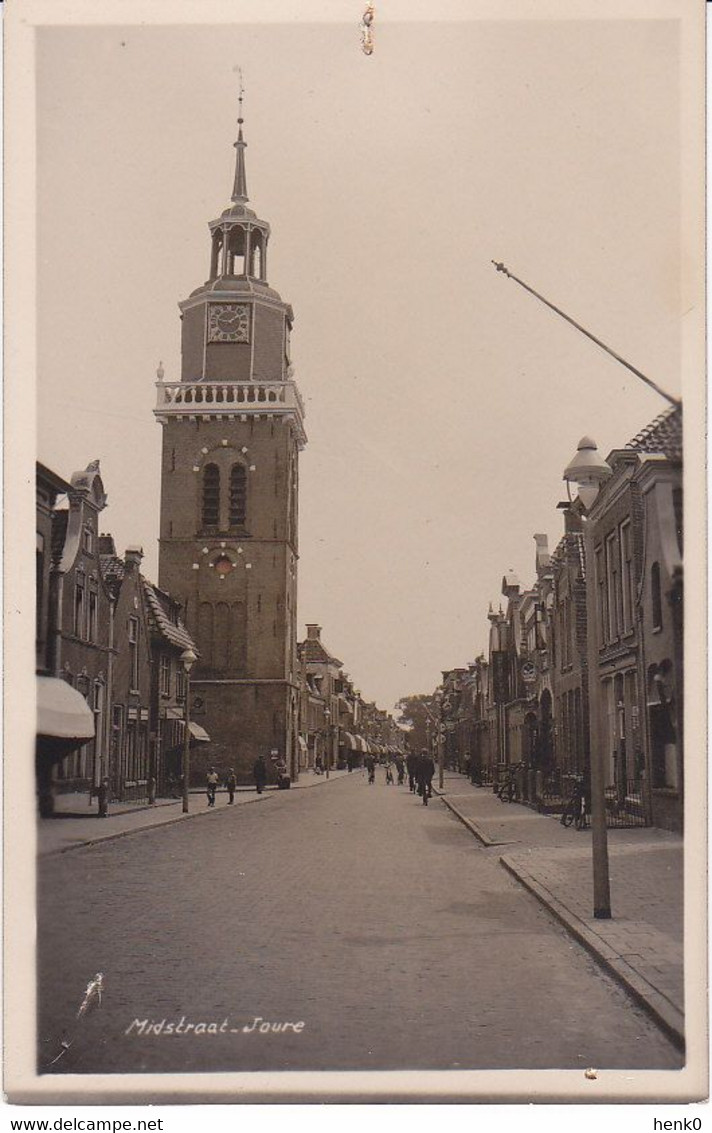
[
  {"x": 575, "y": 812},
  {"x": 508, "y": 789}
]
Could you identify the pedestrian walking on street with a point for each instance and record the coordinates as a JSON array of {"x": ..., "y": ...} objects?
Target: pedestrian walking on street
[
  {"x": 412, "y": 766},
  {"x": 389, "y": 773},
  {"x": 103, "y": 798},
  {"x": 231, "y": 783},
  {"x": 212, "y": 785},
  {"x": 426, "y": 770},
  {"x": 259, "y": 771},
  {"x": 400, "y": 768},
  {"x": 371, "y": 768}
]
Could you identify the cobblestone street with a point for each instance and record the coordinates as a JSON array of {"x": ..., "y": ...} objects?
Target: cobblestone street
[{"x": 383, "y": 926}]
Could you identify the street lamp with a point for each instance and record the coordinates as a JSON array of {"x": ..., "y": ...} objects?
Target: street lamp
[
  {"x": 588, "y": 471},
  {"x": 188, "y": 658},
  {"x": 327, "y": 719}
]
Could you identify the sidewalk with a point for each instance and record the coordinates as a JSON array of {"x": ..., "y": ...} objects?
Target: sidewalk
[
  {"x": 76, "y": 824},
  {"x": 642, "y": 945}
]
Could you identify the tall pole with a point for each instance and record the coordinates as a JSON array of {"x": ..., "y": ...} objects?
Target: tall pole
[
  {"x": 599, "y": 831},
  {"x": 638, "y": 373},
  {"x": 188, "y": 658},
  {"x": 441, "y": 757},
  {"x": 186, "y": 745}
]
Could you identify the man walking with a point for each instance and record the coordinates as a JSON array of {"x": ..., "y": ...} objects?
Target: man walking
[
  {"x": 212, "y": 785},
  {"x": 371, "y": 768},
  {"x": 231, "y": 783},
  {"x": 259, "y": 771},
  {"x": 400, "y": 768},
  {"x": 411, "y": 763}
]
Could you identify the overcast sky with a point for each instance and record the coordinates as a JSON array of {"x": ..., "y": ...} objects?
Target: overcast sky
[{"x": 443, "y": 402}]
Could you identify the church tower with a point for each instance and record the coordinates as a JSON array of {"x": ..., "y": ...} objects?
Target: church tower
[{"x": 233, "y": 427}]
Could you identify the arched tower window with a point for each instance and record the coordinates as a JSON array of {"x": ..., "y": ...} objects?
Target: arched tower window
[
  {"x": 216, "y": 254},
  {"x": 238, "y": 495},
  {"x": 211, "y": 496},
  {"x": 256, "y": 257}
]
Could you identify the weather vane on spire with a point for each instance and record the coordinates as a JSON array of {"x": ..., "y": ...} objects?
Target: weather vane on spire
[
  {"x": 242, "y": 91},
  {"x": 239, "y": 193}
]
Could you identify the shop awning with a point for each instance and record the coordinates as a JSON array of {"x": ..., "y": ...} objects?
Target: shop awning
[
  {"x": 199, "y": 734},
  {"x": 302, "y": 743},
  {"x": 174, "y": 713},
  {"x": 348, "y": 740},
  {"x": 62, "y": 712}
]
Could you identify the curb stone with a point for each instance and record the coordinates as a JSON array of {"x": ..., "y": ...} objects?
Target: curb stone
[
  {"x": 472, "y": 826},
  {"x": 101, "y": 838}
]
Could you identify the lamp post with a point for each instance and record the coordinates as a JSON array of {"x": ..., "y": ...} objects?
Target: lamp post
[
  {"x": 188, "y": 657},
  {"x": 440, "y": 700},
  {"x": 327, "y": 718},
  {"x": 588, "y": 471}
]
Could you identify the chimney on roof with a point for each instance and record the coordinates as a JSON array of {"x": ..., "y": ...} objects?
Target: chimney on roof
[
  {"x": 542, "y": 554},
  {"x": 133, "y": 557},
  {"x": 314, "y": 632},
  {"x": 107, "y": 545}
]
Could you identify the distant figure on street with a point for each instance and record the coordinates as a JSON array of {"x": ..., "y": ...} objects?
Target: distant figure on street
[
  {"x": 473, "y": 771},
  {"x": 400, "y": 768},
  {"x": 389, "y": 772},
  {"x": 411, "y": 763},
  {"x": 371, "y": 768},
  {"x": 103, "y": 798},
  {"x": 259, "y": 771},
  {"x": 212, "y": 785},
  {"x": 426, "y": 770},
  {"x": 283, "y": 779},
  {"x": 231, "y": 783},
  {"x": 319, "y": 765}
]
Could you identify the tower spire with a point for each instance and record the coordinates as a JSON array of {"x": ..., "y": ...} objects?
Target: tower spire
[{"x": 239, "y": 192}]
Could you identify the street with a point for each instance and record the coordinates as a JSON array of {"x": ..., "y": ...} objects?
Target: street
[{"x": 382, "y": 926}]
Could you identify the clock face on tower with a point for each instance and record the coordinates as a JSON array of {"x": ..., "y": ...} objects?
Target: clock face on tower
[{"x": 228, "y": 322}]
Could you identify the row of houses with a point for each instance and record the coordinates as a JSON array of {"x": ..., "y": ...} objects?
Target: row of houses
[
  {"x": 337, "y": 726},
  {"x": 109, "y": 649},
  {"x": 587, "y": 661},
  {"x": 113, "y": 661}
]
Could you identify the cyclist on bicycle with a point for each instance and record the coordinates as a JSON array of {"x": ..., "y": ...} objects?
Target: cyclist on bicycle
[{"x": 426, "y": 770}]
